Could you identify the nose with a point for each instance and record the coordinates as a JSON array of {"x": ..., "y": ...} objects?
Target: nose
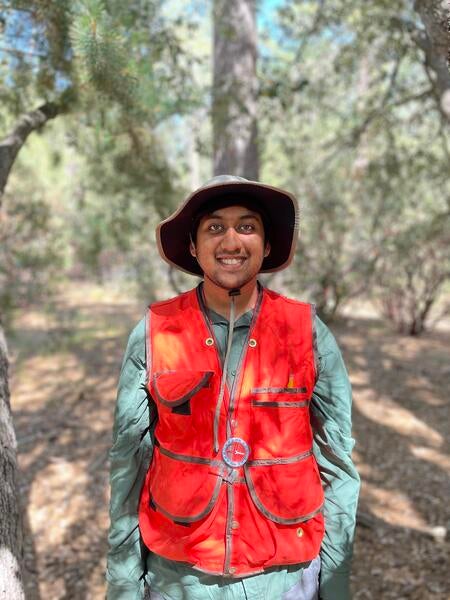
[{"x": 231, "y": 241}]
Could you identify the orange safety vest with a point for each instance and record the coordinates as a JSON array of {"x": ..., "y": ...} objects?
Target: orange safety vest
[{"x": 257, "y": 502}]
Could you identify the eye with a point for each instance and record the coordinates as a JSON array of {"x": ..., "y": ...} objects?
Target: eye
[
  {"x": 215, "y": 227},
  {"x": 246, "y": 228}
]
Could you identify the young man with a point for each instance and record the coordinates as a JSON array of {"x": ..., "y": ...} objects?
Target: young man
[{"x": 231, "y": 475}]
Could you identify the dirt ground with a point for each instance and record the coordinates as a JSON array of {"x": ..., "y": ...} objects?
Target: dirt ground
[{"x": 65, "y": 362}]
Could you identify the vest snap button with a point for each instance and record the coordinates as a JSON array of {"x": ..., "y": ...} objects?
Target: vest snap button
[
  {"x": 299, "y": 532},
  {"x": 234, "y": 525},
  {"x": 209, "y": 341},
  {"x": 252, "y": 342},
  {"x": 232, "y": 570}
]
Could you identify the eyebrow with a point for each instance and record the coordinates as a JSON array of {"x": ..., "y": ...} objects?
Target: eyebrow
[{"x": 246, "y": 216}]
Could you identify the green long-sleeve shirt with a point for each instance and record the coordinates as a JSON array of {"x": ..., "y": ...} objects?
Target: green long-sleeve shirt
[{"x": 130, "y": 456}]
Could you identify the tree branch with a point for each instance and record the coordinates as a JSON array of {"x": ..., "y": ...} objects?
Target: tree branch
[
  {"x": 16, "y": 52},
  {"x": 434, "y": 41},
  {"x": 12, "y": 143},
  {"x": 419, "y": 96}
]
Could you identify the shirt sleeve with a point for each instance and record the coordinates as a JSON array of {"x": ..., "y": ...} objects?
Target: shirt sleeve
[
  {"x": 130, "y": 456},
  {"x": 332, "y": 422}
]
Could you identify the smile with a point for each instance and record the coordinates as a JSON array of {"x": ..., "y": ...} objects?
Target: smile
[{"x": 231, "y": 261}]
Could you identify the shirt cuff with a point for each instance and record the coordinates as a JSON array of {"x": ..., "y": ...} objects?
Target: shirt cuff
[{"x": 334, "y": 585}]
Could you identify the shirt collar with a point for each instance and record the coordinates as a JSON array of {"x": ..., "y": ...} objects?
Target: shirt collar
[{"x": 243, "y": 321}]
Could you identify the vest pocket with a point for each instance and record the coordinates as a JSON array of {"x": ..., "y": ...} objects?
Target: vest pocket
[
  {"x": 279, "y": 423},
  {"x": 285, "y": 492},
  {"x": 183, "y": 489},
  {"x": 174, "y": 388}
]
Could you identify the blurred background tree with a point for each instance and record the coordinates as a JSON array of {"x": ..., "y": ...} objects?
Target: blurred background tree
[
  {"x": 235, "y": 88},
  {"x": 116, "y": 73},
  {"x": 354, "y": 112},
  {"x": 352, "y": 117}
]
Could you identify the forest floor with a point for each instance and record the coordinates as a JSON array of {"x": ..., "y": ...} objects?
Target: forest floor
[{"x": 65, "y": 362}]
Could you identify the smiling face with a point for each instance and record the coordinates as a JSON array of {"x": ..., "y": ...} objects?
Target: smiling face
[{"x": 230, "y": 247}]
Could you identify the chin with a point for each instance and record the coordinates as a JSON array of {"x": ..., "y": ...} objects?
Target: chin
[{"x": 232, "y": 282}]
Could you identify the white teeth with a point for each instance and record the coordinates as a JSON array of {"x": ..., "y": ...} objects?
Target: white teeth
[{"x": 231, "y": 261}]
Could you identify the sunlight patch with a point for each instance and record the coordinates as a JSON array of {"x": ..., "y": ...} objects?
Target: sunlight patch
[{"x": 388, "y": 413}]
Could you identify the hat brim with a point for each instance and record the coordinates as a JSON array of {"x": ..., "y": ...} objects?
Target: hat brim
[{"x": 281, "y": 208}]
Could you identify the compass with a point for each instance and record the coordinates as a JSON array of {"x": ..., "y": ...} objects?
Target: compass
[{"x": 235, "y": 452}]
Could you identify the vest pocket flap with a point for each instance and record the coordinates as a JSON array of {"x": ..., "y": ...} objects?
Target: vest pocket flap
[
  {"x": 173, "y": 388},
  {"x": 182, "y": 491},
  {"x": 286, "y": 493},
  {"x": 279, "y": 390},
  {"x": 280, "y": 397}
]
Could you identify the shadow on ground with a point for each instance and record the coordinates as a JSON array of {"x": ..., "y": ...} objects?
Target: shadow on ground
[
  {"x": 65, "y": 367},
  {"x": 401, "y": 424}
]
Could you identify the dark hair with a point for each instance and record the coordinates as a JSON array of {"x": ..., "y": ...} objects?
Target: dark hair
[{"x": 223, "y": 202}]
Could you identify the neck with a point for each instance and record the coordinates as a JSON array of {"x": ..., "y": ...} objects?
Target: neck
[{"x": 218, "y": 299}]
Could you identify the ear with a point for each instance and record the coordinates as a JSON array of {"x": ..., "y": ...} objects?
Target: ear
[
  {"x": 192, "y": 249},
  {"x": 267, "y": 250}
]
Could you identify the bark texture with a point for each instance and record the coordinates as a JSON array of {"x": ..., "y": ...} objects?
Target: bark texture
[
  {"x": 435, "y": 43},
  {"x": 235, "y": 88},
  {"x": 11, "y": 532},
  {"x": 11, "y": 526},
  {"x": 12, "y": 143}
]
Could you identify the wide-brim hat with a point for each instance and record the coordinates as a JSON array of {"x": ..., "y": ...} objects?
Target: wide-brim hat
[{"x": 279, "y": 207}]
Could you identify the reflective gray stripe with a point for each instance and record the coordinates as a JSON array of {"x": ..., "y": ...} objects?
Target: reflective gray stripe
[
  {"x": 314, "y": 341},
  {"x": 199, "y": 460},
  {"x": 223, "y": 379},
  {"x": 197, "y": 517},
  {"x": 204, "y": 380},
  {"x": 203, "y": 310},
  {"x": 269, "y": 515},
  {"x": 278, "y": 390},
  {"x": 274, "y": 403},
  {"x": 288, "y": 460},
  {"x": 148, "y": 346},
  {"x": 243, "y": 355},
  {"x": 228, "y": 529}
]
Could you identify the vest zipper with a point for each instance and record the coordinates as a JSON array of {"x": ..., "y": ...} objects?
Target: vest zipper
[
  {"x": 242, "y": 357},
  {"x": 231, "y": 394}
]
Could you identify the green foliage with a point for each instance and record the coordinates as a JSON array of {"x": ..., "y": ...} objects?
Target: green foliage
[
  {"x": 99, "y": 47},
  {"x": 129, "y": 53},
  {"x": 349, "y": 121},
  {"x": 36, "y": 53},
  {"x": 357, "y": 122},
  {"x": 412, "y": 272},
  {"x": 120, "y": 70},
  {"x": 31, "y": 256},
  {"x": 126, "y": 183}
]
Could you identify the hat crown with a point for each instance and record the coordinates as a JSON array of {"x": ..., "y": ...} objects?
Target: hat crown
[{"x": 221, "y": 179}]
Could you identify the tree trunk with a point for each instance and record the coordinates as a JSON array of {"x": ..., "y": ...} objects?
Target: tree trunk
[
  {"x": 435, "y": 43},
  {"x": 235, "y": 89},
  {"x": 11, "y": 144},
  {"x": 11, "y": 529},
  {"x": 11, "y": 533}
]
